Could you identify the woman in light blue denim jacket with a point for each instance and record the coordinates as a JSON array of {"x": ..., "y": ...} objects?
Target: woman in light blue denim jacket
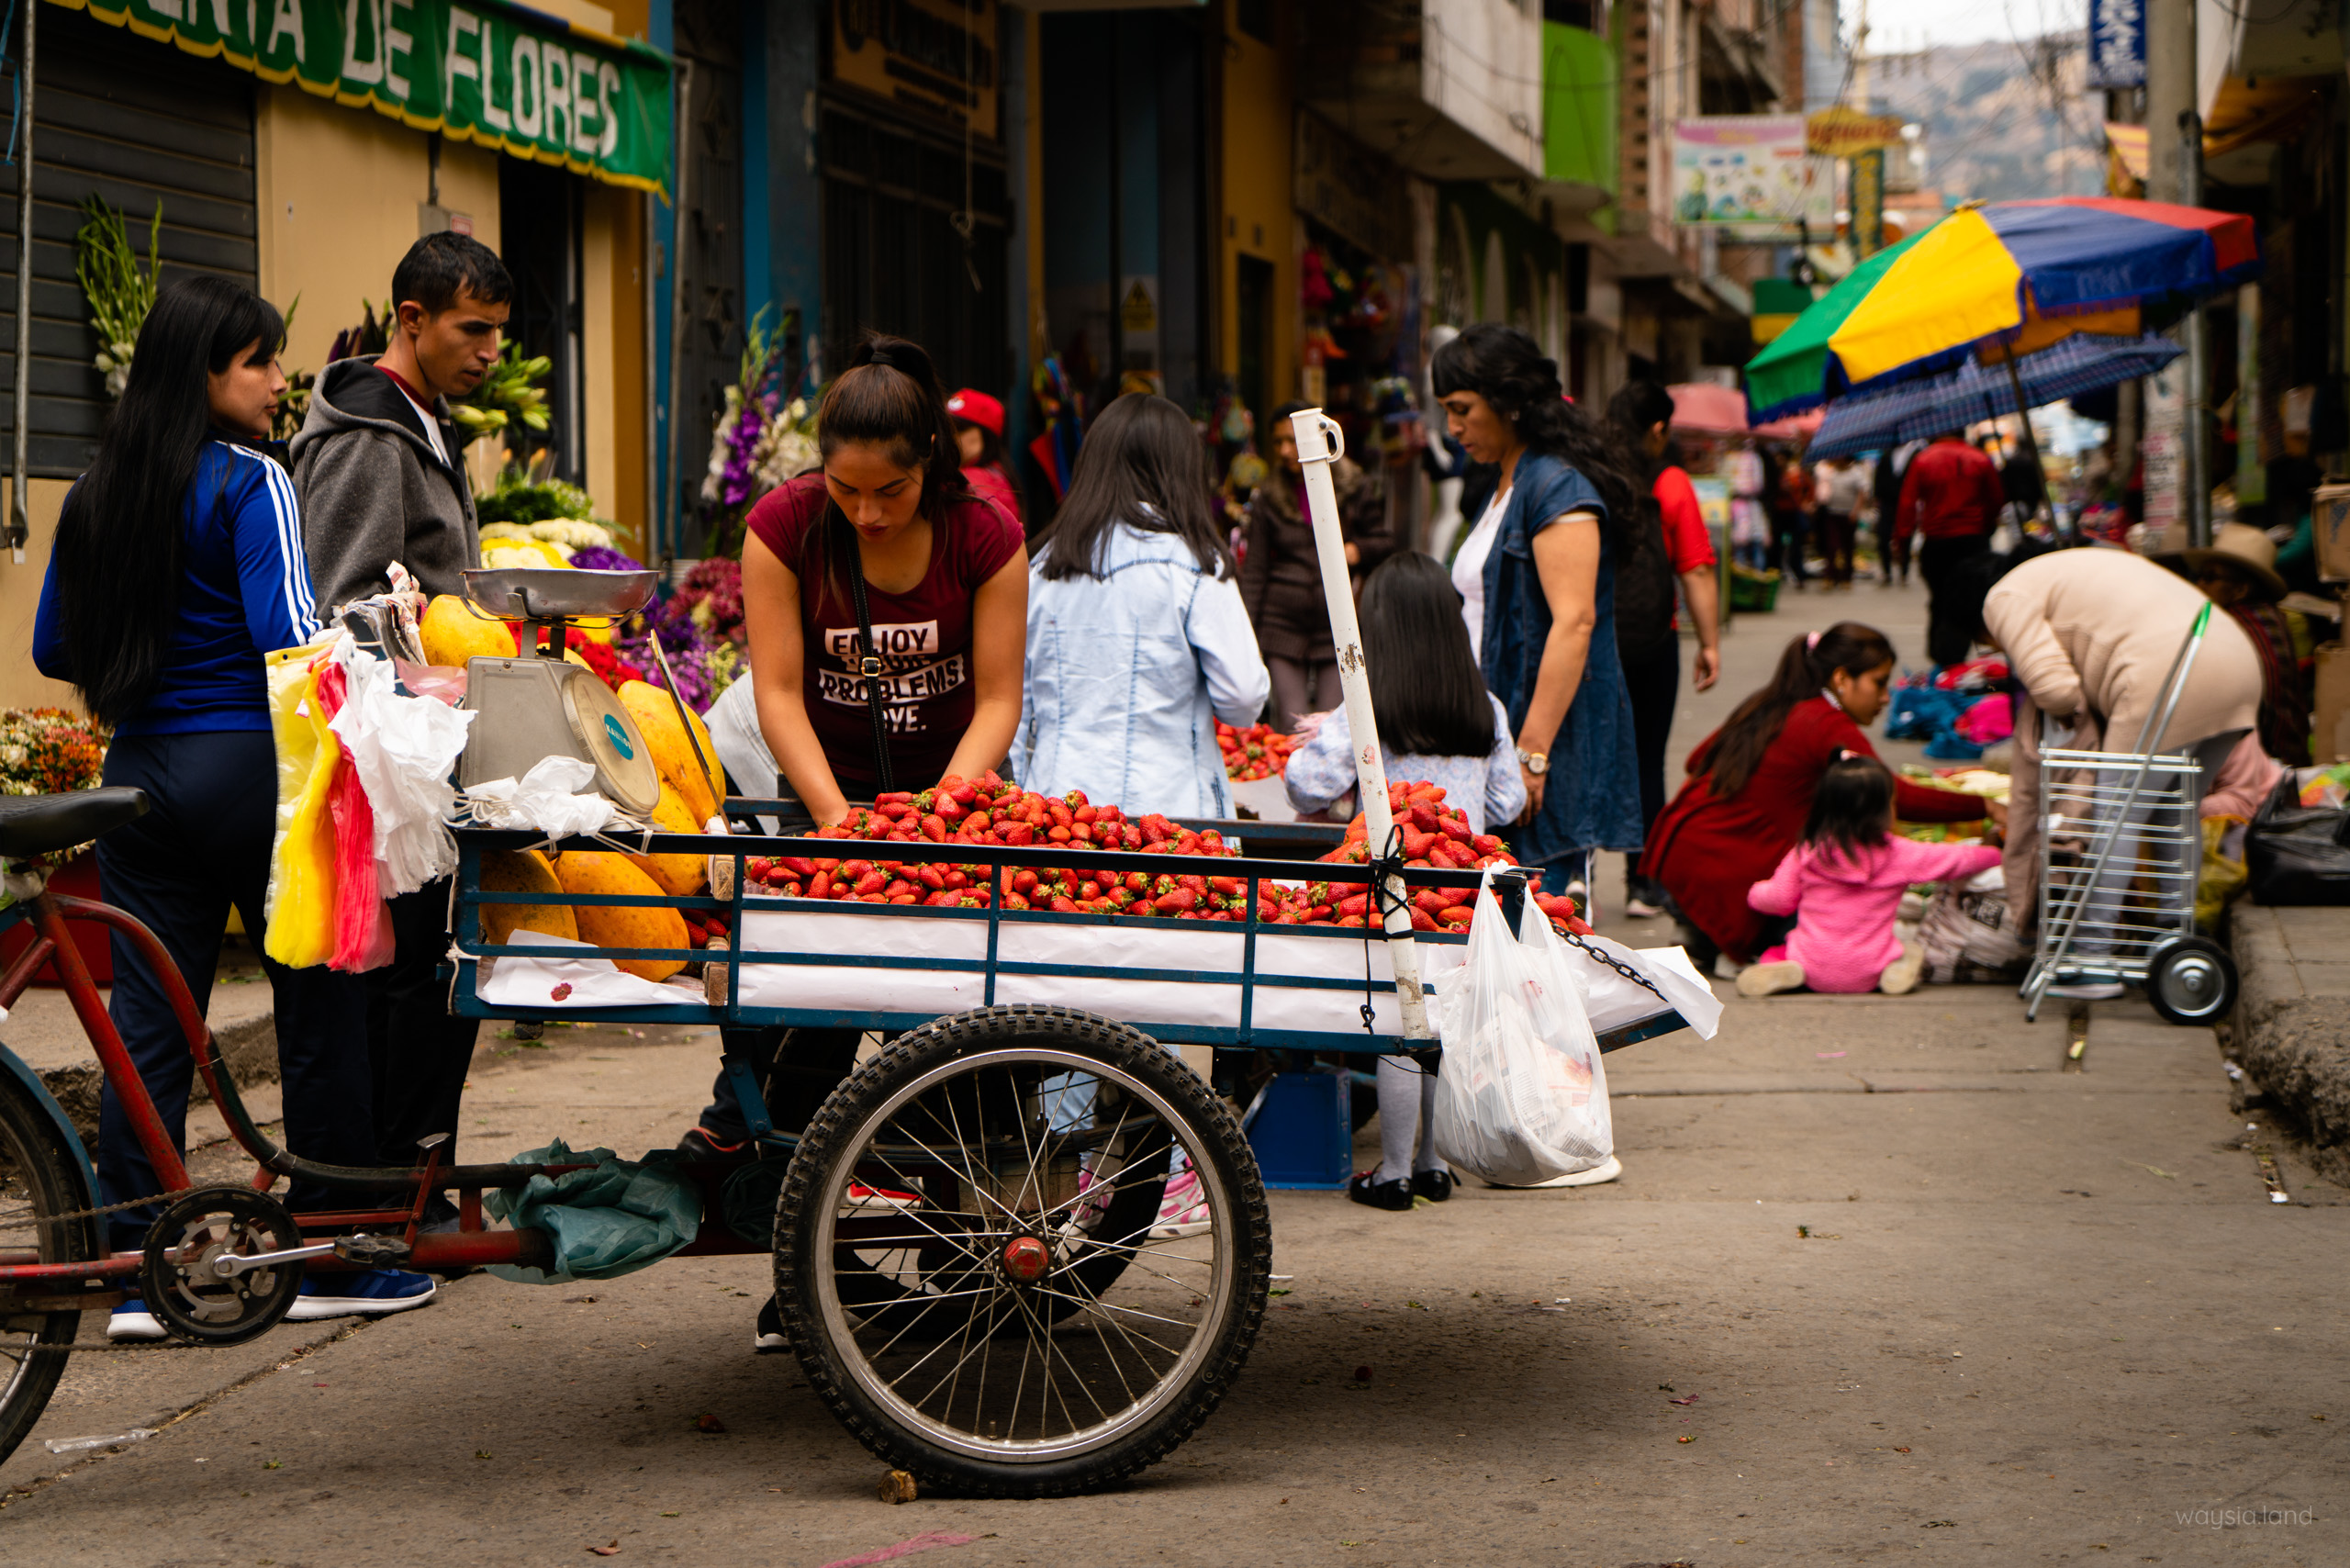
[{"x": 1138, "y": 639}]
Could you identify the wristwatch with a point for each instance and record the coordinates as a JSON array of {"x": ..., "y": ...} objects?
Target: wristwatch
[{"x": 1535, "y": 762}]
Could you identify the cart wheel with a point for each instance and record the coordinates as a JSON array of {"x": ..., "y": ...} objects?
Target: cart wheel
[
  {"x": 970, "y": 1262},
  {"x": 39, "y": 1177},
  {"x": 2193, "y": 980}
]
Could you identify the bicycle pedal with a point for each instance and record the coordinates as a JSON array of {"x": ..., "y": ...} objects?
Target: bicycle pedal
[{"x": 371, "y": 1251}]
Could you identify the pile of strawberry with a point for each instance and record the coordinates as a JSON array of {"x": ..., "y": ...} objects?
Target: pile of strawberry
[
  {"x": 988, "y": 811},
  {"x": 1438, "y": 836},
  {"x": 1260, "y": 751}
]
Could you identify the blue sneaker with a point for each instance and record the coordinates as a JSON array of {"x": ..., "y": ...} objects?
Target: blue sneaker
[
  {"x": 368, "y": 1294},
  {"x": 132, "y": 1320}
]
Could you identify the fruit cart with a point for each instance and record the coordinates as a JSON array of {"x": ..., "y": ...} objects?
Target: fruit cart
[
  {"x": 974, "y": 1255},
  {"x": 969, "y": 1258}
]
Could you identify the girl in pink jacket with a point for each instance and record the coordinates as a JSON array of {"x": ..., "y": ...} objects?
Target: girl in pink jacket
[{"x": 1843, "y": 885}]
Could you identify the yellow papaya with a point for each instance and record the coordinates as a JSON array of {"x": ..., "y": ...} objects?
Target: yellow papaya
[
  {"x": 684, "y": 875},
  {"x": 522, "y": 871},
  {"x": 452, "y": 633},
  {"x": 699, "y": 787},
  {"x": 597, "y": 872}
]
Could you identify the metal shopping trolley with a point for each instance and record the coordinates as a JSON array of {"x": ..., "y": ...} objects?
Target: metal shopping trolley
[{"x": 2121, "y": 851}]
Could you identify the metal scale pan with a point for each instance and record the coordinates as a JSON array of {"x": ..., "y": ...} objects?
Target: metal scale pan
[{"x": 537, "y": 706}]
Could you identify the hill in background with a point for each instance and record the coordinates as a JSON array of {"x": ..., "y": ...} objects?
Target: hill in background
[{"x": 2003, "y": 120}]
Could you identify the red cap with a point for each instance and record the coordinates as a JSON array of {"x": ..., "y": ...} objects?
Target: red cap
[{"x": 978, "y": 409}]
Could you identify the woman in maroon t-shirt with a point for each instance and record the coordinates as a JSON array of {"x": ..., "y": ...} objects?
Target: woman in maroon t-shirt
[{"x": 946, "y": 588}]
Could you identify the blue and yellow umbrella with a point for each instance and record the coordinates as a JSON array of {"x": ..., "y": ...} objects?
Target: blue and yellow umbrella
[{"x": 1998, "y": 279}]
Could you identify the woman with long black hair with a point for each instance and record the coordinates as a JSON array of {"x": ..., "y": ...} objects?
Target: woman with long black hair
[
  {"x": 1537, "y": 580},
  {"x": 1137, "y": 640},
  {"x": 178, "y": 564}
]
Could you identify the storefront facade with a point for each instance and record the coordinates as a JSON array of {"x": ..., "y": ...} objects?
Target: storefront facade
[{"x": 304, "y": 163}]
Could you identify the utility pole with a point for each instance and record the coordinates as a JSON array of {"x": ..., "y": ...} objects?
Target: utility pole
[{"x": 2176, "y": 492}]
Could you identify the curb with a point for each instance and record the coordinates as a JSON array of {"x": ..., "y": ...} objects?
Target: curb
[
  {"x": 248, "y": 1047},
  {"x": 2291, "y": 1027}
]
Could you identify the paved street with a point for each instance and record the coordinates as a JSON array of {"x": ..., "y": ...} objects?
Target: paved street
[{"x": 1883, "y": 1281}]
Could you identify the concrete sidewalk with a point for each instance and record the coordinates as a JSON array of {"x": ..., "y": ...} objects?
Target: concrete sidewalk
[{"x": 2291, "y": 1028}]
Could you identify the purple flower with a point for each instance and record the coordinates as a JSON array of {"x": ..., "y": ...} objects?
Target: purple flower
[{"x": 597, "y": 558}]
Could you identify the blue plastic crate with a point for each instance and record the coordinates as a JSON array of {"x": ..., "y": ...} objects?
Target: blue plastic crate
[{"x": 1301, "y": 1131}]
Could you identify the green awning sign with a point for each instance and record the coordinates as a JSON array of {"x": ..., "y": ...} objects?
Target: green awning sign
[{"x": 499, "y": 74}]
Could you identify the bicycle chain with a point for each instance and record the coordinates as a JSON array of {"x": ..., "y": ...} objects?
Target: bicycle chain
[{"x": 95, "y": 1214}]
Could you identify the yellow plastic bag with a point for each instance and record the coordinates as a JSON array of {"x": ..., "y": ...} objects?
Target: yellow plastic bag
[
  {"x": 300, "y": 899},
  {"x": 2221, "y": 878}
]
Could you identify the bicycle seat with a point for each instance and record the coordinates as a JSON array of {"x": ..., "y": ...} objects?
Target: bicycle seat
[{"x": 35, "y": 824}]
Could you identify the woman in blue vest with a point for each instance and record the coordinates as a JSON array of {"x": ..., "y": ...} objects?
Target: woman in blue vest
[{"x": 1537, "y": 580}]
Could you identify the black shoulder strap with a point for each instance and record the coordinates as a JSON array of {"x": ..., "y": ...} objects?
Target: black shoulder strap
[{"x": 868, "y": 661}]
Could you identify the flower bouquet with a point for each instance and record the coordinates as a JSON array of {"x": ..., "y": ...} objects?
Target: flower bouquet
[
  {"x": 47, "y": 751},
  {"x": 760, "y": 442}
]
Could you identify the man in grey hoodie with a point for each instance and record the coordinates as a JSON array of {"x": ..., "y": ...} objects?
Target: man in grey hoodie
[
  {"x": 377, "y": 460},
  {"x": 377, "y": 464}
]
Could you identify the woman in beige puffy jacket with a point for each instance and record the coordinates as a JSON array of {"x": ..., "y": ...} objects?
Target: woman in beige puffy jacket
[{"x": 2091, "y": 634}]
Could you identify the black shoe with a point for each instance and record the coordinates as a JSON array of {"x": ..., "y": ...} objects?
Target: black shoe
[
  {"x": 767, "y": 1338},
  {"x": 1366, "y": 1188},
  {"x": 1434, "y": 1185},
  {"x": 699, "y": 1145}
]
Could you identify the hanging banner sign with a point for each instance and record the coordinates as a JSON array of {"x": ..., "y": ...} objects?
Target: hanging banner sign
[
  {"x": 1843, "y": 132},
  {"x": 2117, "y": 43},
  {"x": 1751, "y": 169},
  {"x": 1867, "y": 206},
  {"x": 483, "y": 71}
]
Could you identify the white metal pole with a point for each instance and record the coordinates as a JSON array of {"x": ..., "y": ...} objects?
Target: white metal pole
[{"x": 1319, "y": 444}]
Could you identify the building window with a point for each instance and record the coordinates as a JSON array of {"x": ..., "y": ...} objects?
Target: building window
[{"x": 539, "y": 213}]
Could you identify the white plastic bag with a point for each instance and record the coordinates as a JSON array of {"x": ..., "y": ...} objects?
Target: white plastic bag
[
  {"x": 404, "y": 749},
  {"x": 1521, "y": 1097},
  {"x": 545, "y": 798}
]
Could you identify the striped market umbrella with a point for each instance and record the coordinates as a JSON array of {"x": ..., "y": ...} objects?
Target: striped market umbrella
[
  {"x": 1923, "y": 408},
  {"x": 2017, "y": 273}
]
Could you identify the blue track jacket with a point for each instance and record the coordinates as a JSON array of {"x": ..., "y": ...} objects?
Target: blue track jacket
[{"x": 246, "y": 592}]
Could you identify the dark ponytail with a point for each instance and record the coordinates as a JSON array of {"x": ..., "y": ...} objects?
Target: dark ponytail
[
  {"x": 118, "y": 555},
  {"x": 1637, "y": 407},
  {"x": 889, "y": 397},
  {"x": 1802, "y": 674},
  {"x": 1506, "y": 368}
]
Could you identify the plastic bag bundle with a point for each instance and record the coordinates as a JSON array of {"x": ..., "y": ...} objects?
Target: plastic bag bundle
[
  {"x": 363, "y": 926},
  {"x": 403, "y": 750},
  {"x": 300, "y": 900},
  {"x": 1522, "y": 1096},
  {"x": 546, "y": 800},
  {"x": 612, "y": 1218}
]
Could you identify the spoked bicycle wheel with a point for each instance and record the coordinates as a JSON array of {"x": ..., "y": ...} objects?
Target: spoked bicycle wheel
[
  {"x": 974, "y": 1267},
  {"x": 40, "y": 1177}
]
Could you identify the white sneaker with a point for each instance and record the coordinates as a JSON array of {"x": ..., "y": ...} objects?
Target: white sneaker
[
  {"x": 1182, "y": 1210},
  {"x": 1640, "y": 909},
  {"x": 860, "y": 1196},
  {"x": 1607, "y": 1171},
  {"x": 373, "y": 1293},
  {"x": 1769, "y": 980},
  {"x": 132, "y": 1320}
]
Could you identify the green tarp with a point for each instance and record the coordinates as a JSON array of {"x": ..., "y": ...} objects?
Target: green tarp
[{"x": 501, "y": 76}]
